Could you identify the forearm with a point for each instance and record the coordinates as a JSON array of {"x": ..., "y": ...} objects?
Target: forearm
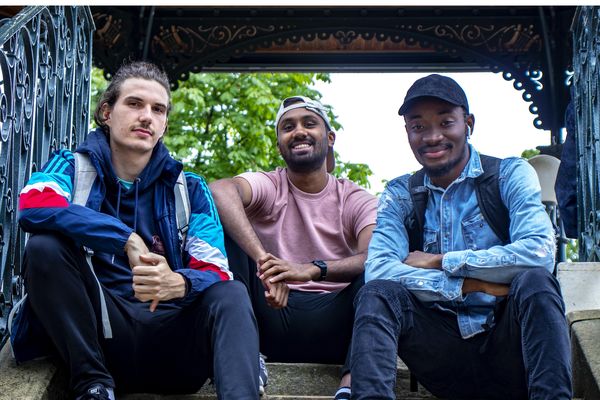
[
  {"x": 233, "y": 218},
  {"x": 501, "y": 263},
  {"x": 475, "y": 285},
  {"x": 345, "y": 269},
  {"x": 425, "y": 284}
]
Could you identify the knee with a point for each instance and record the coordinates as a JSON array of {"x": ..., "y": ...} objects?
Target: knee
[
  {"x": 230, "y": 297},
  {"x": 43, "y": 253},
  {"x": 382, "y": 297},
  {"x": 534, "y": 281}
]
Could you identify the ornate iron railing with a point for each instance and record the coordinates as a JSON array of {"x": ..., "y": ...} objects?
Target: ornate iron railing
[
  {"x": 586, "y": 64},
  {"x": 45, "y": 70}
]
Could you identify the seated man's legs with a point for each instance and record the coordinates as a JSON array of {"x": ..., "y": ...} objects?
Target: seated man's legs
[
  {"x": 489, "y": 365},
  {"x": 65, "y": 297},
  {"x": 228, "y": 317},
  {"x": 314, "y": 327},
  {"x": 389, "y": 321},
  {"x": 171, "y": 349},
  {"x": 178, "y": 347}
]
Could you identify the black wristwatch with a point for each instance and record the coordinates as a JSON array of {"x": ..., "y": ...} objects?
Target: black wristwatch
[{"x": 323, "y": 267}]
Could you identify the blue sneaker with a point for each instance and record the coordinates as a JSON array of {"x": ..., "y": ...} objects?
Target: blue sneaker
[
  {"x": 343, "y": 393},
  {"x": 263, "y": 375}
]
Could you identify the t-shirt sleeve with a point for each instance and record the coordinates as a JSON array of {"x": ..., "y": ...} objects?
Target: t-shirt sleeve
[
  {"x": 360, "y": 209},
  {"x": 264, "y": 192}
]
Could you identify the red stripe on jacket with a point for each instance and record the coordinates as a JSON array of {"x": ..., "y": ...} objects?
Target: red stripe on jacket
[
  {"x": 204, "y": 266},
  {"x": 46, "y": 198}
]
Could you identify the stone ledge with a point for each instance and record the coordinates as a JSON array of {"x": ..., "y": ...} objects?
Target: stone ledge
[
  {"x": 585, "y": 348},
  {"x": 580, "y": 285}
]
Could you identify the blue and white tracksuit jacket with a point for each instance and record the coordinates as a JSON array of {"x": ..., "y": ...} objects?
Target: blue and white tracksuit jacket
[{"x": 113, "y": 212}]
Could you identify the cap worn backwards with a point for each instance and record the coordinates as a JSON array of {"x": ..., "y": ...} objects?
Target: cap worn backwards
[
  {"x": 438, "y": 86},
  {"x": 294, "y": 102}
]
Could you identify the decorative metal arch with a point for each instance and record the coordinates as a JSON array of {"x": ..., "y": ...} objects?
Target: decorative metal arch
[
  {"x": 45, "y": 67},
  {"x": 528, "y": 45}
]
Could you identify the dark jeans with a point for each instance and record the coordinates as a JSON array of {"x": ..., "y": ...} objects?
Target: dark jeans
[
  {"x": 313, "y": 328},
  {"x": 525, "y": 355},
  {"x": 175, "y": 349}
]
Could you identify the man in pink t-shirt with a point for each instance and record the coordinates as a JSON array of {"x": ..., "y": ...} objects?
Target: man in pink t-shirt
[{"x": 304, "y": 236}]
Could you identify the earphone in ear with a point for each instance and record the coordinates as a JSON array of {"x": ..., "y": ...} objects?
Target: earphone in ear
[{"x": 468, "y": 131}]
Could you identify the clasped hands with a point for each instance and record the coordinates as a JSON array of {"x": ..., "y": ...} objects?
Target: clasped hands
[
  {"x": 153, "y": 278},
  {"x": 419, "y": 259},
  {"x": 275, "y": 272}
]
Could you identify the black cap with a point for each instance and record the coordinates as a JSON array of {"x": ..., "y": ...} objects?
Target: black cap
[{"x": 437, "y": 86}]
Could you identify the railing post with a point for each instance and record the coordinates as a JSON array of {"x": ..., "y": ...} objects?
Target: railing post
[
  {"x": 45, "y": 74},
  {"x": 586, "y": 59}
]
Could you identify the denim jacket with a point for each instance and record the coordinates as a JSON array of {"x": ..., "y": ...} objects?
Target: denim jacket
[{"x": 455, "y": 227}]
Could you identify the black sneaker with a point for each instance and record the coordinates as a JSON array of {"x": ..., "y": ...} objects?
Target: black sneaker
[
  {"x": 263, "y": 375},
  {"x": 97, "y": 392}
]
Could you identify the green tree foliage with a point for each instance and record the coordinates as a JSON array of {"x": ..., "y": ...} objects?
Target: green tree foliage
[
  {"x": 223, "y": 124},
  {"x": 527, "y": 154},
  {"x": 98, "y": 86}
]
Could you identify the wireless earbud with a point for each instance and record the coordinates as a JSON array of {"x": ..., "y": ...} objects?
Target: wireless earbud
[{"x": 468, "y": 131}]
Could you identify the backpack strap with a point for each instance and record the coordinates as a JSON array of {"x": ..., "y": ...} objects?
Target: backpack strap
[
  {"x": 83, "y": 179},
  {"x": 487, "y": 188},
  {"x": 415, "y": 222},
  {"x": 182, "y": 206}
]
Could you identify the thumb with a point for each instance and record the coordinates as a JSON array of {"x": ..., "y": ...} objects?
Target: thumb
[{"x": 151, "y": 258}]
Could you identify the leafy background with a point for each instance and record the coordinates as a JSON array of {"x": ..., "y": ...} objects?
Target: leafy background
[{"x": 223, "y": 124}]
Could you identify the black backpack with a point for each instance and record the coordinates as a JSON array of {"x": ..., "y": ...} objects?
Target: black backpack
[{"x": 490, "y": 202}]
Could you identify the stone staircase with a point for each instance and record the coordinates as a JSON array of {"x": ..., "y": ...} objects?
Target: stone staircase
[
  {"x": 580, "y": 282},
  {"x": 42, "y": 380}
]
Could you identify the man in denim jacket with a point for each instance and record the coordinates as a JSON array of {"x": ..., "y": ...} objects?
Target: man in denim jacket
[{"x": 471, "y": 316}]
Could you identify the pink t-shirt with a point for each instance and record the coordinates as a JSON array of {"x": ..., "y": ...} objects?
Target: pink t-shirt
[{"x": 301, "y": 227}]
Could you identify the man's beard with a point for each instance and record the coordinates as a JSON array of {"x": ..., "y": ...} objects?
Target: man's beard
[
  {"x": 303, "y": 164},
  {"x": 442, "y": 170},
  {"x": 446, "y": 168}
]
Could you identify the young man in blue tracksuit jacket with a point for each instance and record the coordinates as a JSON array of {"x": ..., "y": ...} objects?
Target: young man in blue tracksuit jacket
[{"x": 162, "y": 315}]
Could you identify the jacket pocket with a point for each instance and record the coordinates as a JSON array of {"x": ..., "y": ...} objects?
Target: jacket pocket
[
  {"x": 477, "y": 234},
  {"x": 431, "y": 241}
]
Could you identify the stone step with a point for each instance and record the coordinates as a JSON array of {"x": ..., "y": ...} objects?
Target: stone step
[
  {"x": 42, "y": 380},
  {"x": 297, "y": 381}
]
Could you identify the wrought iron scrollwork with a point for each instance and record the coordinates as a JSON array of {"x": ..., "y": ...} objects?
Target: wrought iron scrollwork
[
  {"x": 586, "y": 57},
  {"x": 505, "y": 48},
  {"x": 45, "y": 66},
  {"x": 510, "y": 38}
]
